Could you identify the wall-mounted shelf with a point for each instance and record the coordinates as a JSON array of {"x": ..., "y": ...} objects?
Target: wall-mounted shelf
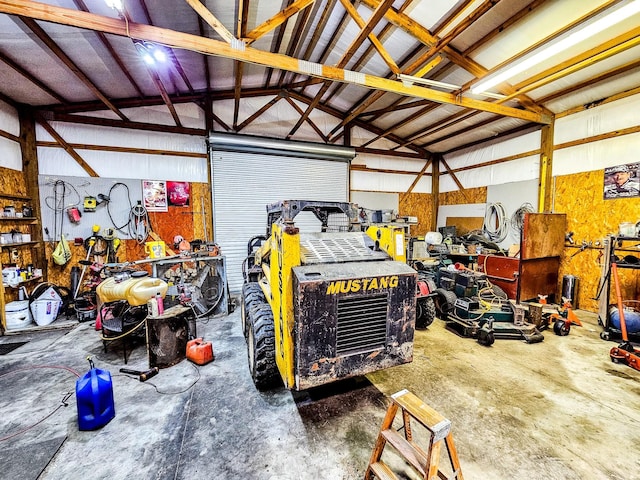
[{"x": 30, "y": 252}]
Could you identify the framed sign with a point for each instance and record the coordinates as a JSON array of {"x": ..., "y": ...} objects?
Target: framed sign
[
  {"x": 621, "y": 181},
  {"x": 178, "y": 194},
  {"x": 154, "y": 195}
]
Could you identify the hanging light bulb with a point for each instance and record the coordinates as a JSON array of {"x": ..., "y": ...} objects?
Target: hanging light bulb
[
  {"x": 115, "y": 4},
  {"x": 158, "y": 53},
  {"x": 145, "y": 53}
]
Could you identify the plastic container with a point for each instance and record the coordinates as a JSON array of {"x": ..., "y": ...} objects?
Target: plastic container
[
  {"x": 17, "y": 314},
  {"x": 94, "y": 398},
  {"x": 136, "y": 291},
  {"x": 199, "y": 351},
  {"x": 45, "y": 311}
]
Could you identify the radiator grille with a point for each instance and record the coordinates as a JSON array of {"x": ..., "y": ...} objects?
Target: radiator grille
[{"x": 362, "y": 324}]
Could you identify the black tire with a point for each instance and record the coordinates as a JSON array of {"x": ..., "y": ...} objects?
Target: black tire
[
  {"x": 561, "y": 328},
  {"x": 445, "y": 301},
  {"x": 486, "y": 338},
  {"x": 261, "y": 351},
  {"x": 425, "y": 312},
  {"x": 251, "y": 295},
  {"x": 605, "y": 335}
]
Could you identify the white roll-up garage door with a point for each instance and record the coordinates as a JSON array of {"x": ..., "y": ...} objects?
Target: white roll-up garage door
[{"x": 245, "y": 182}]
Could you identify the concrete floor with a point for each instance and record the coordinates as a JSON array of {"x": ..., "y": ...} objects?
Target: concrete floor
[{"x": 554, "y": 410}]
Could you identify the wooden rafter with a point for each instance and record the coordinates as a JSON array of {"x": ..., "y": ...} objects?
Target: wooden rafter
[
  {"x": 423, "y": 35},
  {"x": 108, "y": 122},
  {"x": 395, "y": 108},
  {"x": 419, "y": 176},
  {"x": 37, "y": 82},
  {"x": 276, "y": 20},
  {"x": 164, "y": 94},
  {"x": 309, "y": 121},
  {"x": 377, "y": 44},
  {"x": 324, "y": 18},
  {"x": 105, "y": 42},
  {"x": 454, "y": 177},
  {"x": 67, "y": 148},
  {"x": 608, "y": 49},
  {"x": 211, "y": 19},
  {"x": 444, "y": 41},
  {"x": 376, "y": 16},
  {"x": 170, "y": 52},
  {"x": 606, "y": 75},
  {"x": 117, "y": 149},
  {"x": 64, "y": 58},
  {"x": 298, "y": 34},
  {"x": 367, "y": 126},
  {"x": 386, "y": 31},
  {"x": 259, "y": 112},
  {"x": 414, "y": 116}
]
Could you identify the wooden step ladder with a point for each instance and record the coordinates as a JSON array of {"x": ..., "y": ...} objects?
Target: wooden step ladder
[{"x": 424, "y": 461}]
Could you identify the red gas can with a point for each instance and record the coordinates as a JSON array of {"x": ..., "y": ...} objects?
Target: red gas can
[{"x": 199, "y": 351}]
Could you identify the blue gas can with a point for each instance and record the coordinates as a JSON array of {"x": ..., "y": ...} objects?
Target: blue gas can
[{"x": 94, "y": 397}]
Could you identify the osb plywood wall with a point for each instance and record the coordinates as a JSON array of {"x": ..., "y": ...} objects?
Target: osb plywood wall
[
  {"x": 185, "y": 221},
  {"x": 417, "y": 205},
  {"x": 460, "y": 197},
  {"x": 12, "y": 182},
  {"x": 420, "y": 205},
  {"x": 592, "y": 219}
]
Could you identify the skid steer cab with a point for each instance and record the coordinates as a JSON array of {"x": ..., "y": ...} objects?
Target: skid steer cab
[{"x": 322, "y": 299}]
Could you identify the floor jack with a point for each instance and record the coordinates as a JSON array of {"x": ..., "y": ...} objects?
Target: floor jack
[
  {"x": 625, "y": 352},
  {"x": 564, "y": 318}
]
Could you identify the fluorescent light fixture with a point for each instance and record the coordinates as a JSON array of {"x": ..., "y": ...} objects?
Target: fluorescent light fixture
[
  {"x": 563, "y": 44},
  {"x": 408, "y": 80}
]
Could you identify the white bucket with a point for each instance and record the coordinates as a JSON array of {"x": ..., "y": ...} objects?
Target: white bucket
[
  {"x": 433, "y": 238},
  {"x": 17, "y": 314},
  {"x": 45, "y": 311}
]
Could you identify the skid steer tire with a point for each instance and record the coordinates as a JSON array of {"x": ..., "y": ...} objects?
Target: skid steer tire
[
  {"x": 261, "y": 349},
  {"x": 425, "y": 312},
  {"x": 445, "y": 301},
  {"x": 251, "y": 295}
]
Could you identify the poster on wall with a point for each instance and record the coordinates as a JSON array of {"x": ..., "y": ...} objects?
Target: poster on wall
[
  {"x": 621, "y": 181},
  {"x": 179, "y": 194},
  {"x": 154, "y": 193}
]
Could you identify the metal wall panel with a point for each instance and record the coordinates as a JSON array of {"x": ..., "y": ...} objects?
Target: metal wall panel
[{"x": 244, "y": 183}]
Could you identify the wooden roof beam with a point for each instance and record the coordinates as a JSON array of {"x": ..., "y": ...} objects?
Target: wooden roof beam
[
  {"x": 259, "y": 112},
  {"x": 41, "y": 85},
  {"x": 103, "y": 39},
  {"x": 377, "y": 15},
  {"x": 372, "y": 37},
  {"x": 606, "y": 50},
  {"x": 423, "y": 35},
  {"x": 67, "y": 148},
  {"x": 211, "y": 19},
  {"x": 209, "y": 46},
  {"x": 276, "y": 20},
  {"x": 64, "y": 58}
]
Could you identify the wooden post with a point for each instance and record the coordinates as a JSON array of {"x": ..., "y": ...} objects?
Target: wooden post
[
  {"x": 545, "y": 182},
  {"x": 30, "y": 171},
  {"x": 435, "y": 190}
]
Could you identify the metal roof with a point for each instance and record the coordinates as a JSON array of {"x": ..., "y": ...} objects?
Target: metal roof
[{"x": 306, "y": 69}]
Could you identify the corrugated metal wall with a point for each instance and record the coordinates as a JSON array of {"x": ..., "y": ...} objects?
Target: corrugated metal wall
[{"x": 244, "y": 183}]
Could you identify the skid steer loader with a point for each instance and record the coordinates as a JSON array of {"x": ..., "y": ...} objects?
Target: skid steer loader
[{"x": 325, "y": 305}]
